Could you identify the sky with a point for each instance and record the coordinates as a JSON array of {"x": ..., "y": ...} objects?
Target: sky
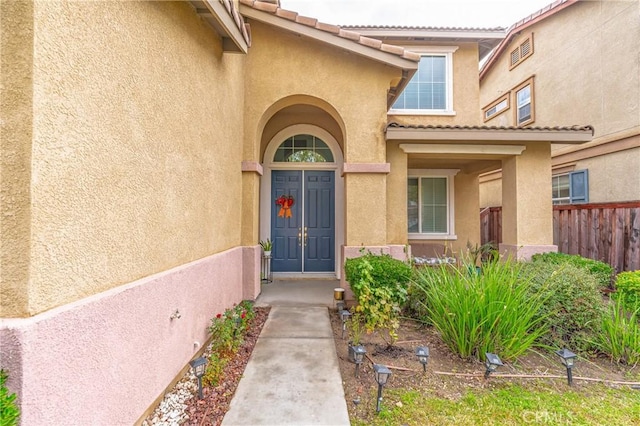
[{"x": 434, "y": 13}]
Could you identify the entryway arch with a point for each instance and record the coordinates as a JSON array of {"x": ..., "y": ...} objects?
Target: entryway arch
[{"x": 311, "y": 169}]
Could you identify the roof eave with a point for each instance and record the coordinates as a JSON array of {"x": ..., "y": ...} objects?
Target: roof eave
[
  {"x": 523, "y": 135},
  {"x": 227, "y": 22},
  {"x": 515, "y": 29},
  {"x": 329, "y": 38},
  {"x": 469, "y": 35}
]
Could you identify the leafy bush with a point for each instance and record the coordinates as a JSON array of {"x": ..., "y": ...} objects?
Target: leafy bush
[
  {"x": 227, "y": 331},
  {"x": 478, "y": 313},
  {"x": 620, "y": 335},
  {"x": 215, "y": 370},
  {"x": 628, "y": 289},
  {"x": 603, "y": 272},
  {"x": 379, "y": 283},
  {"x": 573, "y": 303},
  {"x": 9, "y": 412}
]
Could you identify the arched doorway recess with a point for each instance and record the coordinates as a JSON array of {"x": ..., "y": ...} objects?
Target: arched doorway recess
[{"x": 303, "y": 161}]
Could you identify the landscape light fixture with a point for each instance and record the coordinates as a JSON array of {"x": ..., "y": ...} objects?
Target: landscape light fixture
[
  {"x": 382, "y": 374},
  {"x": 568, "y": 359},
  {"x": 492, "y": 363},
  {"x": 344, "y": 316},
  {"x": 422, "y": 352},
  {"x": 198, "y": 366},
  {"x": 356, "y": 353},
  {"x": 340, "y": 307}
]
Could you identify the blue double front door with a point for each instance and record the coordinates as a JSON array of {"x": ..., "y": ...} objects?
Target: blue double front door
[{"x": 304, "y": 233}]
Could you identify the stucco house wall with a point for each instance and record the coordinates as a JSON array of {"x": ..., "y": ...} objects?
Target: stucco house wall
[
  {"x": 290, "y": 77},
  {"x": 124, "y": 206},
  {"x": 586, "y": 71}
]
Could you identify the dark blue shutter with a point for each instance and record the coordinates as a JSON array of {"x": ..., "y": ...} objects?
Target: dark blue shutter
[{"x": 579, "y": 186}]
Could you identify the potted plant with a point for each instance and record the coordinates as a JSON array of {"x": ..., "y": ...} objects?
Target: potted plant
[{"x": 266, "y": 245}]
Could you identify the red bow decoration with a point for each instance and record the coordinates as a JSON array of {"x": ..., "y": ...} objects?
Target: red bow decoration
[{"x": 285, "y": 202}]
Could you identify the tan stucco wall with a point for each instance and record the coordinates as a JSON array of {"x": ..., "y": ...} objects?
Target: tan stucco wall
[
  {"x": 138, "y": 116},
  {"x": 350, "y": 88},
  {"x": 587, "y": 71},
  {"x": 396, "y": 195},
  {"x": 617, "y": 167},
  {"x": 467, "y": 214},
  {"x": 586, "y": 68},
  {"x": 16, "y": 110},
  {"x": 466, "y": 91},
  {"x": 491, "y": 193},
  {"x": 612, "y": 177},
  {"x": 526, "y": 217}
]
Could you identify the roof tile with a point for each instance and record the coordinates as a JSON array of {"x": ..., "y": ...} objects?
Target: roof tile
[
  {"x": 305, "y": 20},
  {"x": 330, "y": 28},
  {"x": 273, "y": 8},
  {"x": 576, "y": 128},
  {"x": 351, "y": 35},
  {"x": 371, "y": 42},
  {"x": 389, "y": 48},
  {"x": 404, "y": 27},
  {"x": 287, "y": 14},
  {"x": 267, "y": 7}
]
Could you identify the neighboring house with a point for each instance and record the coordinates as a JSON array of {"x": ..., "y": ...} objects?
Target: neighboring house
[
  {"x": 144, "y": 145},
  {"x": 573, "y": 62}
]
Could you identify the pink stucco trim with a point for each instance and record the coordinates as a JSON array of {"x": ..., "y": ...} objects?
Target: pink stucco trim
[
  {"x": 366, "y": 168},
  {"x": 106, "y": 358},
  {"x": 251, "y": 259},
  {"x": 252, "y": 166},
  {"x": 525, "y": 252}
]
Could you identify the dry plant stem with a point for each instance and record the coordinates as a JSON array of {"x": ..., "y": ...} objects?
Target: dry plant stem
[
  {"x": 391, "y": 367},
  {"x": 204, "y": 418},
  {"x": 534, "y": 376}
]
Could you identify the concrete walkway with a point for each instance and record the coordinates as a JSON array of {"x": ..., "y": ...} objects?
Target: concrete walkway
[{"x": 293, "y": 376}]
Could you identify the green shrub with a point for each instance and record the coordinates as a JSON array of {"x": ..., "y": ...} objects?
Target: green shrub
[
  {"x": 620, "y": 334},
  {"x": 9, "y": 412},
  {"x": 379, "y": 283},
  {"x": 603, "y": 272},
  {"x": 215, "y": 370},
  {"x": 227, "y": 329},
  {"x": 478, "y": 313},
  {"x": 628, "y": 289},
  {"x": 573, "y": 303}
]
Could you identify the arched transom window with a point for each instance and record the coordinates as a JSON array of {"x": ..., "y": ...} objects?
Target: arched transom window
[{"x": 303, "y": 149}]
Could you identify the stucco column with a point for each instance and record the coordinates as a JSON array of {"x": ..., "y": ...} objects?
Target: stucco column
[
  {"x": 397, "y": 195},
  {"x": 16, "y": 136},
  {"x": 251, "y": 253},
  {"x": 527, "y": 214},
  {"x": 467, "y": 210}
]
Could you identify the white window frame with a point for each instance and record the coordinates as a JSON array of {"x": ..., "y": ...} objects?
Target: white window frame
[
  {"x": 447, "y": 52},
  {"x": 530, "y": 84},
  {"x": 491, "y": 111},
  {"x": 449, "y": 174}
]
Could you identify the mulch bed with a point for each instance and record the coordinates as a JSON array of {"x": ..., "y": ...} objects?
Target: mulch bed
[{"x": 213, "y": 406}]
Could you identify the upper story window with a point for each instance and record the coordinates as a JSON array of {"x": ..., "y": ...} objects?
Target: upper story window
[
  {"x": 496, "y": 107},
  {"x": 430, "y": 91},
  {"x": 303, "y": 149},
  {"x": 521, "y": 52},
  {"x": 524, "y": 103}
]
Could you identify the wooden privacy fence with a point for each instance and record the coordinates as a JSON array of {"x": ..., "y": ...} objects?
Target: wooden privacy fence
[{"x": 609, "y": 232}]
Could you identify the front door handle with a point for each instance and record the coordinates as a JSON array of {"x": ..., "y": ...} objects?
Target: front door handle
[
  {"x": 299, "y": 236},
  {"x": 305, "y": 235}
]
